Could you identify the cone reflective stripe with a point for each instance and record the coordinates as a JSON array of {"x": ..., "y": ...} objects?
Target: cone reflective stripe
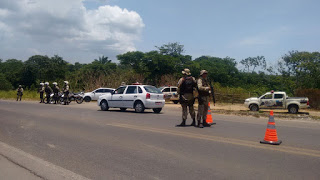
[
  {"x": 209, "y": 116},
  {"x": 271, "y": 136}
]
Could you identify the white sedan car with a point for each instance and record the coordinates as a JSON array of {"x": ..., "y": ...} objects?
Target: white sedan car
[
  {"x": 137, "y": 97},
  {"x": 94, "y": 95}
]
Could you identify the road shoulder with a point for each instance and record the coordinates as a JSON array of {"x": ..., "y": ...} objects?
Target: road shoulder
[{"x": 22, "y": 163}]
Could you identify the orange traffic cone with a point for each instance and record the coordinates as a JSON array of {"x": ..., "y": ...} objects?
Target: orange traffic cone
[
  {"x": 209, "y": 116},
  {"x": 271, "y": 136}
]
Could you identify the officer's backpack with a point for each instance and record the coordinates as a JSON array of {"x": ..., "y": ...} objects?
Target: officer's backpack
[{"x": 187, "y": 85}]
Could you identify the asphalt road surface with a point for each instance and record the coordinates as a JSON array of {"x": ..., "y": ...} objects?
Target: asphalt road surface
[{"x": 126, "y": 145}]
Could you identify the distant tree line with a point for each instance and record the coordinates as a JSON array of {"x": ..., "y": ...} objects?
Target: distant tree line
[{"x": 163, "y": 66}]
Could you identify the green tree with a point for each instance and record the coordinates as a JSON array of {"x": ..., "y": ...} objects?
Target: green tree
[
  {"x": 171, "y": 49},
  {"x": 303, "y": 66},
  {"x": 254, "y": 62},
  {"x": 4, "y": 83},
  {"x": 12, "y": 70},
  {"x": 133, "y": 59},
  {"x": 222, "y": 70}
]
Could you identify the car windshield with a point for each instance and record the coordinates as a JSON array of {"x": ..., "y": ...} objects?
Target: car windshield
[{"x": 152, "y": 89}]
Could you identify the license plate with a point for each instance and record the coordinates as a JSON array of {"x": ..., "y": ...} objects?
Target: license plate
[{"x": 158, "y": 103}]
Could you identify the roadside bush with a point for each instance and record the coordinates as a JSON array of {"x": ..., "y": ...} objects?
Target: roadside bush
[{"x": 312, "y": 94}]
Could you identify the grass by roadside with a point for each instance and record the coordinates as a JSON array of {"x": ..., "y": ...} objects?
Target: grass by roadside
[{"x": 12, "y": 95}]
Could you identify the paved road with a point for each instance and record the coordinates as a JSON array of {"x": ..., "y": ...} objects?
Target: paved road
[{"x": 126, "y": 145}]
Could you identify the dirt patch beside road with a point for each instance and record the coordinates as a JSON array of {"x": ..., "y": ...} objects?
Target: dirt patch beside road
[{"x": 239, "y": 109}]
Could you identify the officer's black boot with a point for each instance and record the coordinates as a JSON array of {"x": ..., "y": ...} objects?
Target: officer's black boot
[
  {"x": 200, "y": 124},
  {"x": 193, "y": 122},
  {"x": 183, "y": 123},
  {"x": 205, "y": 124}
]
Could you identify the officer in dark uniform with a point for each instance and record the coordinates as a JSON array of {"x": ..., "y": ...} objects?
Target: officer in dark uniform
[
  {"x": 48, "y": 91},
  {"x": 55, "y": 90}
]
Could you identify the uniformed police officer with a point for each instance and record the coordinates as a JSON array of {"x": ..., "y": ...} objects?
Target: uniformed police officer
[
  {"x": 48, "y": 91},
  {"x": 19, "y": 92},
  {"x": 186, "y": 86},
  {"x": 66, "y": 93},
  {"x": 55, "y": 90},
  {"x": 203, "y": 87},
  {"x": 41, "y": 91}
]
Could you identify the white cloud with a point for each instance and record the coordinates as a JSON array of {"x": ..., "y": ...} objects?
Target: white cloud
[{"x": 66, "y": 28}]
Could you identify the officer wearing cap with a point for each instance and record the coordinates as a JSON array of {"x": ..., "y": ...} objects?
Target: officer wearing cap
[
  {"x": 19, "y": 92},
  {"x": 186, "y": 86},
  {"x": 203, "y": 87},
  {"x": 48, "y": 91},
  {"x": 41, "y": 91},
  {"x": 55, "y": 90},
  {"x": 66, "y": 93}
]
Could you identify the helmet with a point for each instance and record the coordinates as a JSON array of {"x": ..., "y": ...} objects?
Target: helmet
[
  {"x": 203, "y": 72},
  {"x": 20, "y": 86},
  {"x": 41, "y": 84},
  {"x": 46, "y": 83},
  {"x": 66, "y": 82},
  {"x": 55, "y": 83}
]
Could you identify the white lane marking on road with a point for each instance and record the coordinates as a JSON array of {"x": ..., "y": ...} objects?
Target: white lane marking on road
[
  {"x": 239, "y": 142},
  {"x": 37, "y": 165}
]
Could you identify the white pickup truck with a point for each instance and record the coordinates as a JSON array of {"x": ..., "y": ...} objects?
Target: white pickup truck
[{"x": 277, "y": 100}]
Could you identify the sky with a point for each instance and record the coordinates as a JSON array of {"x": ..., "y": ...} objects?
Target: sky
[{"x": 83, "y": 30}]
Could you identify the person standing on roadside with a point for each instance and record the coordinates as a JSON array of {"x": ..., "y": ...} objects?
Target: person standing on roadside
[
  {"x": 48, "y": 91},
  {"x": 55, "y": 90},
  {"x": 203, "y": 87},
  {"x": 41, "y": 91},
  {"x": 186, "y": 86},
  {"x": 19, "y": 92},
  {"x": 66, "y": 93}
]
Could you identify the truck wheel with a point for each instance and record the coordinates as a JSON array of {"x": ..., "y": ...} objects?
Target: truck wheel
[
  {"x": 175, "y": 102},
  {"x": 293, "y": 109},
  {"x": 139, "y": 107},
  {"x": 87, "y": 99},
  {"x": 157, "y": 110},
  {"x": 254, "y": 107},
  {"x": 104, "y": 106}
]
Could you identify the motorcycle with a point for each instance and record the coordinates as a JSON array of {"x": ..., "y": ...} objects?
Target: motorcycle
[
  {"x": 78, "y": 97},
  {"x": 58, "y": 98}
]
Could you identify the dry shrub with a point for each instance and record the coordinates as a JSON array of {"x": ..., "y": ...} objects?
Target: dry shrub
[
  {"x": 312, "y": 94},
  {"x": 168, "y": 80}
]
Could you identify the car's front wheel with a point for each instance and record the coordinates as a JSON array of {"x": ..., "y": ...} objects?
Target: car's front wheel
[
  {"x": 104, "y": 106},
  {"x": 157, "y": 110},
  {"x": 139, "y": 107},
  {"x": 254, "y": 107},
  {"x": 87, "y": 99},
  {"x": 175, "y": 101}
]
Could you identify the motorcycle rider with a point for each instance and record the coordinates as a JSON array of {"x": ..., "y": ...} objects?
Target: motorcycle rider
[
  {"x": 66, "y": 93},
  {"x": 48, "y": 91},
  {"x": 55, "y": 90},
  {"x": 41, "y": 91}
]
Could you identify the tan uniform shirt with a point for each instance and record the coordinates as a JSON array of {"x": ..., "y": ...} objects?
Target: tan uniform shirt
[{"x": 203, "y": 86}]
